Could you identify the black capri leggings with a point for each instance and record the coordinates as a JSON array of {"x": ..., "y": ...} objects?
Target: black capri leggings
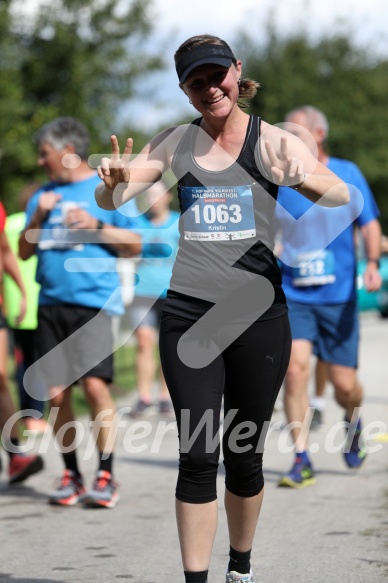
[{"x": 248, "y": 374}]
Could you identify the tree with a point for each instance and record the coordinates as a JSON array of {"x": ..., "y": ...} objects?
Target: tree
[
  {"x": 346, "y": 82},
  {"x": 83, "y": 58}
]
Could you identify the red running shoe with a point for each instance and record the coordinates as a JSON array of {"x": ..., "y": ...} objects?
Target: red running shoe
[{"x": 22, "y": 466}]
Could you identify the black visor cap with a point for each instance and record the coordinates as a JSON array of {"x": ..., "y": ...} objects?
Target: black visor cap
[{"x": 203, "y": 55}]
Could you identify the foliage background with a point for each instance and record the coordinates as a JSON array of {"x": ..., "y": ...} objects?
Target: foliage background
[{"x": 79, "y": 58}]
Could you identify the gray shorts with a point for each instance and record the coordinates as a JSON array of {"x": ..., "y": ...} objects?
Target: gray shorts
[{"x": 146, "y": 312}]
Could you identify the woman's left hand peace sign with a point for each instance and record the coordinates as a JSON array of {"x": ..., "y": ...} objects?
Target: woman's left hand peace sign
[{"x": 286, "y": 171}]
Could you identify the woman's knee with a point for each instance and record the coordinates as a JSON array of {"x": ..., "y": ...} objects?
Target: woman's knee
[
  {"x": 197, "y": 477},
  {"x": 244, "y": 474}
]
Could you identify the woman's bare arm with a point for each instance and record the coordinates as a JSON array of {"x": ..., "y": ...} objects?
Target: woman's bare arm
[{"x": 287, "y": 161}]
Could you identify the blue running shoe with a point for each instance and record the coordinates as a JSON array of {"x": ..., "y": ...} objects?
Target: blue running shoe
[
  {"x": 300, "y": 476},
  {"x": 354, "y": 454}
]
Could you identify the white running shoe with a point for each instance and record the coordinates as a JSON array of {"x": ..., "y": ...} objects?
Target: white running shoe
[{"x": 234, "y": 576}]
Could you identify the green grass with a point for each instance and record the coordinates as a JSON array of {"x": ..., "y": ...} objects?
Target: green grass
[{"x": 124, "y": 381}]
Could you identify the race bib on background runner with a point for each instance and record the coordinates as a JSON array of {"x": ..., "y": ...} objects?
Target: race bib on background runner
[
  {"x": 217, "y": 213},
  {"x": 58, "y": 235},
  {"x": 313, "y": 269}
]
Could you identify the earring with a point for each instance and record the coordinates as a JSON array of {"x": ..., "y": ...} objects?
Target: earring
[
  {"x": 239, "y": 82},
  {"x": 191, "y": 103}
]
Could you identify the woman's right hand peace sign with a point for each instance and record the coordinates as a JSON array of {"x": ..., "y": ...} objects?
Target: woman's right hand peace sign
[{"x": 115, "y": 170}]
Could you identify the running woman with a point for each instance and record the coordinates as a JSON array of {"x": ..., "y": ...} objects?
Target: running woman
[{"x": 225, "y": 330}]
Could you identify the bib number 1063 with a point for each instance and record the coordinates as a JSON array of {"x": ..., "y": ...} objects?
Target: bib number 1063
[{"x": 220, "y": 213}]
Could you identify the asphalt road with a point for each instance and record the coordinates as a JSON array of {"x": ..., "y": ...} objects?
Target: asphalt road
[{"x": 334, "y": 531}]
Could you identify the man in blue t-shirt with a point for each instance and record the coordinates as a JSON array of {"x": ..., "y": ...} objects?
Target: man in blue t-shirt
[
  {"x": 77, "y": 244},
  {"x": 319, "y": 272}
]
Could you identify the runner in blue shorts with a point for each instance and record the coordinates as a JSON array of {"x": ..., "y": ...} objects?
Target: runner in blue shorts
[{"x": 319, "y": 270}]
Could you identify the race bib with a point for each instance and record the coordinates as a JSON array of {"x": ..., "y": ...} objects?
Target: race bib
[
  {"x": 217, "y": 213},
  {"x": 314, "y": 269},
  {"x": 58, "y": 235}
]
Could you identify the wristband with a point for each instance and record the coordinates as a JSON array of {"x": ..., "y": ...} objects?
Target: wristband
[
  {"x": 377, "y": 261},
  {"x": 296, "y": 186}
]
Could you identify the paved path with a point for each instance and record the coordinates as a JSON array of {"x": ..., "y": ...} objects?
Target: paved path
[{"x": 335, "y": 531}]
